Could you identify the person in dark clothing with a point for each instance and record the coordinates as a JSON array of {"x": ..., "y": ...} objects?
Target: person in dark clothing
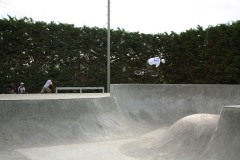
[{"x": 8, "y": 88}]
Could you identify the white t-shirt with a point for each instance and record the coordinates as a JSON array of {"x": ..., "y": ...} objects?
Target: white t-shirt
[
  {"x": 154, "y": 61},
  {"x": 47, "y": 84},
  {"x": 21, "y": 89}
]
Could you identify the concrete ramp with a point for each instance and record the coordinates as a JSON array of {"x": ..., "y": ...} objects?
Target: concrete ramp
[
  {"x": 198, "y": 136},
  {"x": 225, "y": 142},
  {"x": 184, "y": 140},
  {"x": 135, "y": 121}
]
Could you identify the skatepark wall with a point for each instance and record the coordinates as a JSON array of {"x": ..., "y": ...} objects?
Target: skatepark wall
[
  {"x": 164, "y": 104},
  {"x": 31, "y": 123},
  {"x": 225, "y": 142},
  {"x": 131, "y": 109},
  {"x": 210, "y": 131}
]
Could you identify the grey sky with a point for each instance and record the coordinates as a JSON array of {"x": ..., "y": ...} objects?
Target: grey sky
[{"x": 145, "y": 16}]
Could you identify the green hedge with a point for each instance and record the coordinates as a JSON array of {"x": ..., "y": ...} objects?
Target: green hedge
[{"x": 33, "y": 52}]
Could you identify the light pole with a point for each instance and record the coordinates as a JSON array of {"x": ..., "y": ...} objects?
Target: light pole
[{"x": 108, "y": 50}]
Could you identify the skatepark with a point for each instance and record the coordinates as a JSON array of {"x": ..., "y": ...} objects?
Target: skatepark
[{"x": 132, "y": 122}]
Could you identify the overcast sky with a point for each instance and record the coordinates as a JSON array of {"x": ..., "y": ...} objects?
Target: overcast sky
[{"x": 144, "y": 16}]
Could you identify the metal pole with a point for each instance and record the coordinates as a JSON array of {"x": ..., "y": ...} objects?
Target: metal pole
[{"x": 108, "y": 50}]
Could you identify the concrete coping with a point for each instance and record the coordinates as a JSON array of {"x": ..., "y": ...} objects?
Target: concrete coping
[{"x": 232, "y": 106}]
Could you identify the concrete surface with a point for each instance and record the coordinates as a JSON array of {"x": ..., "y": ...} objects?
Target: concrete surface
[
  {"x": 135, "y": 121},
  {"x": 52, "y": 96}
]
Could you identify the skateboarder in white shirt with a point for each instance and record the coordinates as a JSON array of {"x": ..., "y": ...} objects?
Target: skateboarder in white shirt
[
  {"x": 48, "y": 87},
  {"x": 153, "y": 63},
  {"x": 152, "y": 67}
]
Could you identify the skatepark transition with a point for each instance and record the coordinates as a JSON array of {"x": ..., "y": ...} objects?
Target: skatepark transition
[{"x": 133, "y": 122}]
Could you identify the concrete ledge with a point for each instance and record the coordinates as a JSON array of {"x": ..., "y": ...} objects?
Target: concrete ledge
[
  {"x": 232, "y": 106},
  {"x": 4, "y": 97}
]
